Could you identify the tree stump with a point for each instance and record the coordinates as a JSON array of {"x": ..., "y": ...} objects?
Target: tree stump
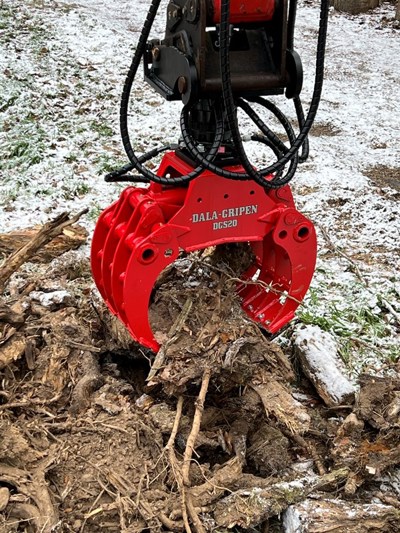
[{"x": 355, "y": 6}]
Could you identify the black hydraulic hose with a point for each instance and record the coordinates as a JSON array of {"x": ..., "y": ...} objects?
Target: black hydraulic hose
[
  {"x": 120, "y": 174},
  {"x": 291, "y": 24},
  {"x": 231, "y": 114},
  {"x": 198, "y": 156},
  {"x": 264, "y": 128},
  {"x": 271, "y": 136},
  {"x": 264, "y": 140},
  {"x": 258, "y": 176},
  {"x": 305, "y": 149},
  {"x": 319, "y": 71},
  {"x": 227, "y": 94},
  {"x": 297, "y": 102},
  {"x": 273, "y": 139},
  {"x": 135, "y": 161},
  {"x": 181, "y": 180}
]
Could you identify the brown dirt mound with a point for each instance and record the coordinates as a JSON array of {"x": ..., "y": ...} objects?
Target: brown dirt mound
[{"x": 97, "y": 434}]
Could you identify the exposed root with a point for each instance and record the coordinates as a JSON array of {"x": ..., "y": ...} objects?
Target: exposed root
[
  {"x": 174, "y": 330},
  {"x": 32, "y": 403},
  {"x": 91, "y": 380},
  {"x": 309, "y": 448},
  {"x": 41, "y": 511},
  {"x": 186, "y": 495}
]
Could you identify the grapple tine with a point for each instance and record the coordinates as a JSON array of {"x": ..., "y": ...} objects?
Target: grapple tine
[
  {"x": 115, "y": 235},
  {"x": 100, "y": 235},
  {"x": 144, "y": 217},
  {"x": 145, "y": 265}
]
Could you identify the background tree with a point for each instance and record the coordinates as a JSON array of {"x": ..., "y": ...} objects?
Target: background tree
[{"x": 355, "y": 6}]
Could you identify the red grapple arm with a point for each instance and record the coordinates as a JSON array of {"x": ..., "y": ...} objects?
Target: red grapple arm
[{"x": 144, "y": 231}]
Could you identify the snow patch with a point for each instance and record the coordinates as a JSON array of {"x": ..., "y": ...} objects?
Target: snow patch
[
  {"x": 320, "y": 350},
  {"x": 51, "y": 299},
  {"x": 292, "y": 520}
]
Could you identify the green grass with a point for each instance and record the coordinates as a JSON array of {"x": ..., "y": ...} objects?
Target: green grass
[
  {"x": 42, "y": 141},
  {"x": 7, "y": 102},
  {"x": 9, "y": 194},
  {"x": 360, "y": 326},
  {"x": 71, "y": 158},
  {"x": 75, "y": 190},
  {"x": 24, "y": 147},
  {"x": 102, "y": 128},
  {"x": 95, "y": 212},
  {"x": 107, "y": 163}
]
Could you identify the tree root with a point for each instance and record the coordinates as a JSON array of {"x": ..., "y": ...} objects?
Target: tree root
[
  {"x": 91, "y": 381},
  {"x": 41, "y": 512}
]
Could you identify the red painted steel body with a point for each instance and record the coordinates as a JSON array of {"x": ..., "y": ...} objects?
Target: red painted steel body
[
  {"x": 145, "y": 230},
  {"x": 246, "y": 11}
]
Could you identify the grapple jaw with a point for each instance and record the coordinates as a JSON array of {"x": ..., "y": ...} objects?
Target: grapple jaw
[{"x": 144, "y": 231}]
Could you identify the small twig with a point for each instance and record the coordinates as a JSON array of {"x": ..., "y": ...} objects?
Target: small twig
[
  {"x": 174, "y": 462},
  {"x": 391, "y": 310},
  {"x": 30, "y": 403},
  {"x": 172, "y": 525},
  {"x": 80, "y": 345},
  {"x": 87, "y": 515},
  {"x": 193, "y": 513},
  {"x": 4, "y": 394},
  {"x": 113, "y": 495},
  {"x": 339, "y": 407},
  {"x": 116, "y": 428},
  {"x": 195, "y": 426},
  {"x": 389, "y": 499},
  {"x": 267, "y": 286},
  {"x": 185, "y": 516},
  {"x": 139, "y": 491},
  {"x": 300, "y": 441},
  {"x": 121, "y": 514},
  {"x": 175, "y": 427}
]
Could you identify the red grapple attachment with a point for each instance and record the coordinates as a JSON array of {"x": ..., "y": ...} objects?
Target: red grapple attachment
[{"x": 143, "y": 232}]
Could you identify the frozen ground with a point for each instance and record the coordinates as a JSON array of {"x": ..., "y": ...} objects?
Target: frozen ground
[{"x": 62, "y": 66}]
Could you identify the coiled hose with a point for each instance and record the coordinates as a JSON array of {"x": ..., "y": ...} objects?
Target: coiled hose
[{"x": 284, "y": 155}]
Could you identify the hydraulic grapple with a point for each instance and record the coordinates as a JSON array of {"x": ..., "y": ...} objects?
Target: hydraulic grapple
[{"x": 217, "y": 56}]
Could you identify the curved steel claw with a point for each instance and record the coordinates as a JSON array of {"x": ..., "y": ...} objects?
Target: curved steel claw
[{"x": 138, "y": 236}]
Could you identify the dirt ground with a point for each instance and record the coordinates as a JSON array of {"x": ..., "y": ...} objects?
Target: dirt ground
[
  {"x": 225, "y": 430},
  {"x": 222, "y": 432}
]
